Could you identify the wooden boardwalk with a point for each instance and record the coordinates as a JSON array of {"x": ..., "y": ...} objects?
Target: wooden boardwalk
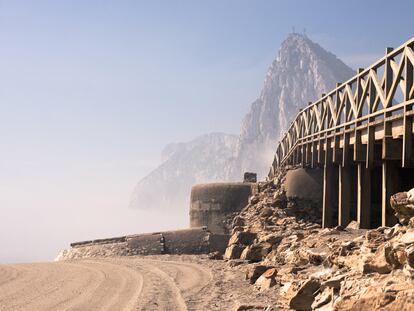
[{"x": 361, "y": 134}]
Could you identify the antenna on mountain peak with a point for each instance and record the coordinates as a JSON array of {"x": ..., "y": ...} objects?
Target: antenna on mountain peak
[
  {"x": 293, "y": 29},
  {"x": 304, "y": 32}
]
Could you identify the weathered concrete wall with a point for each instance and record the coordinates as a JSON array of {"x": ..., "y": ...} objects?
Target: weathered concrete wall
[
  {"x": 145, "y": 244},
  {"x": 211, "y": 203},
  {"x": 188, "y": 241},
  {"x": 99, "y": 241},
  {"x": 304, "y": 184}
]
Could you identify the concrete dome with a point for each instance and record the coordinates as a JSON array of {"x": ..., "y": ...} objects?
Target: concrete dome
[{"x": 305, "y": 184}]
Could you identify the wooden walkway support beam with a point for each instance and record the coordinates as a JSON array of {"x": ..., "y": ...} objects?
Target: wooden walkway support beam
[
  {"x": 364, "y": 196},
  {"x": 408, "y": 120},
  {"x": 330, "y": 196},
  {"x": 327, "y": 203},
  {"x": 344, "y": 196},
  {"x": 390, "y": 182}
]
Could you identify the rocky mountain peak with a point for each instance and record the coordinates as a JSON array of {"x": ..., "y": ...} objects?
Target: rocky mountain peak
[{"x": 300, "y": 73}]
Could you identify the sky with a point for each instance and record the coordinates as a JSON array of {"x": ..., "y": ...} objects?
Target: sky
[{"x": 92, "y": 91}]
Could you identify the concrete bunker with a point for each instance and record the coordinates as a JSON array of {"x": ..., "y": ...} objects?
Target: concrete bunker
[
  {"x": 211, "y": 204},
  {"x": 305, "y": 187},
  {"x": 304, "y": 184}
]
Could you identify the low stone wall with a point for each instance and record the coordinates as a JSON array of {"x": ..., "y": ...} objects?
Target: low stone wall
[
  {"x": 188, "y": 241},
  {"x": 145, "y": 244},
  {"x": 99, "y": 241}
]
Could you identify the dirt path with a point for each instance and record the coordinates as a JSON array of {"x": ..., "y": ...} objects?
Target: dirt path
[{"x": 104, "y": 284}]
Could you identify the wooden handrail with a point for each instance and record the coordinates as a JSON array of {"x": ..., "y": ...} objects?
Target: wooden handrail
[{"x": 369, "y": 94}]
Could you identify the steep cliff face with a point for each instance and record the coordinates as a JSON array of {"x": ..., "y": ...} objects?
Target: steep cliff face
[{"x": 301, "y": 72}]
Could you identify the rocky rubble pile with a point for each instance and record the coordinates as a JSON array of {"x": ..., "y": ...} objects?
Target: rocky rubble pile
[{"x": 285, "y": 252}]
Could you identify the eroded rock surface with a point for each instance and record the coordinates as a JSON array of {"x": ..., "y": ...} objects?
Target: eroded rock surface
[{"x": 288, "y": 254}]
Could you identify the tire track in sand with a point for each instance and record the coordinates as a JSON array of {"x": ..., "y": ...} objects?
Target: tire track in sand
[{"x": 102, "y": 284}]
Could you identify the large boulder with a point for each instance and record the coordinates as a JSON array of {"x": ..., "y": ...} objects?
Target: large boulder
[
  {"x": 304, "y": 297},
  {"x": 256, "y": 252},
  {"x": 233, "y": 251},
  {"x": 407, "y": 238},
  {"x": 267, "y": 279},
  {"x": 377, "y": 263},
  {"x": 242, "y": 237},
  {"x": 255, "y": 271},
  {"x": 403, "y": 205}
]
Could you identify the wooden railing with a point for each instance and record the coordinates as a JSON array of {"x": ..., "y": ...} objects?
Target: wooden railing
[{"x": 373, "y": 95}]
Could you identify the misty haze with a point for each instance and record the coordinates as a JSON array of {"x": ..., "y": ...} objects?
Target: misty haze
[{"x": 206, "y": 155}]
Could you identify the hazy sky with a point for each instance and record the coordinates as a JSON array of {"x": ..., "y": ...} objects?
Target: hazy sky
[{"x": 91, "y": 91}]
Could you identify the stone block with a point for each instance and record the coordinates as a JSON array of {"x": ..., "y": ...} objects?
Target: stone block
[{"x": 242, "y": 237}]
